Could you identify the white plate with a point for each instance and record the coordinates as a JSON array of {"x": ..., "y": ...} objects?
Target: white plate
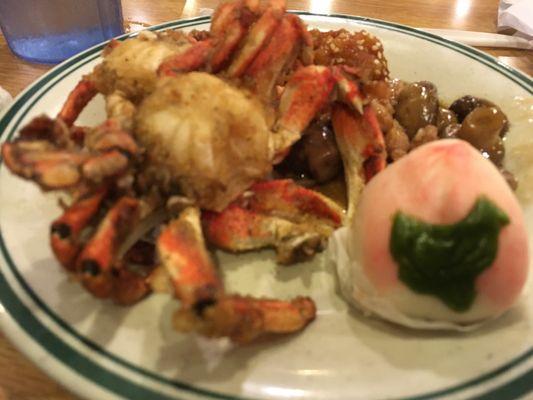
[{"x": 103, "y": 351}]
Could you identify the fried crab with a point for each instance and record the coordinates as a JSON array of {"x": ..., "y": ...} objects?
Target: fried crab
[{"x": 195, "y": 123}]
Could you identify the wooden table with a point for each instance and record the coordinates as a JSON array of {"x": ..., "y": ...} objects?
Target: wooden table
[{"x": 19, "y": 378}]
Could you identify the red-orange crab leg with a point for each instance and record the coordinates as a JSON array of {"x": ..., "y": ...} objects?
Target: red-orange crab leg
[
  {"x": 109, "y": 136},
  {"x": 306, "y": 93},
  {"x": 56, "y": 169},
  {"x": 205, "y": 308},
  {"x": 237, "y": 229},
  {"x": 348, "y": 89},
  {"x": 65, "y": 231},
  {"x": 284, "y": 198},
  {"x": 105, "y": 165},
  {"x": 280, "y": 214},
  {"x": 98, "y": 264},
  {"x": 114, "y": 148},
  {"x": 191, "y": 59},
  {"x": 258, "y": 35},
  {"x": 362, "y": 147},
  {"x": 45, "y": 128},
  {"x": 50, "y": 159},
  {"x": 41, "y": 162},
  {"x": 226, "y": 12},
  {"x": 182, "y": 252},
  {"x": 277, "y": 56},
  {"x": 80, "y": 96},
  {"x": 229, "y": 26},
  {"x": 244, "y": 319}
]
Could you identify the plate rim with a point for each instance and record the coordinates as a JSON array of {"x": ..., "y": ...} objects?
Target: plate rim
[{"x": 24, "y": 317}]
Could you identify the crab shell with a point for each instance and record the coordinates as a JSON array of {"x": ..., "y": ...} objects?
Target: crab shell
[
  {"x": 438, "y": 183},
  {"x": 213, "y": 137},
  {"x": 131, "y": 66}
]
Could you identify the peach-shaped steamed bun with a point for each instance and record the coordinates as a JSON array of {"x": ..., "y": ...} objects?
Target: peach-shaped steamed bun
[{"x": 438, "y": 183}]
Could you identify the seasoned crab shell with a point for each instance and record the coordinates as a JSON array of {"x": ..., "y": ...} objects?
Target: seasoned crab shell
[
  {"x": 209, "y": 137},
  {"x": 130, "y": 66}
]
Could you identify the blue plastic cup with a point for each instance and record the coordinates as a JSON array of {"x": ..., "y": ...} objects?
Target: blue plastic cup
[{"x": 49, "y": 31}]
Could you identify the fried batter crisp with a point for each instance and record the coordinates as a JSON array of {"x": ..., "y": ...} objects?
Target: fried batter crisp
[{"x": 360, "y": 50}]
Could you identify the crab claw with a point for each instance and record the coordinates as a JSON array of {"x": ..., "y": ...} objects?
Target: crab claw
[
  {"x": 279, "y": 214},
  {"x": 362, "y": 147},
  {"x": 65, "y": 231},
  {"x": 183, "y": 254},
  {"x": 244, "y": 319}
]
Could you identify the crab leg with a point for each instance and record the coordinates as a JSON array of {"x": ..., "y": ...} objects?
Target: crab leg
[
  {"x": 45, "y": 128},
  {"x": 237, "y": 229},
  {"x": 362, "y": 147},
  {"x": 259, "y": 34},
  {"x": 192, "y": 59},
  {"x": 205, "y": 308},
  {"x": 306, "y": 94},
  {"x": 349, "y": 90},
  {"x": 244, "y": 319},
  {"x": 285, "y": 199},
  {"x": 183, "y": 254},
  {"x": 56, "y": 169},
  {"x": 41, "y": 162},
  {"x": 65, "y": 231},
  {"x": 225, "y": 13},
  {"x": 80, "y": 96},
  {"x": 272, "y": 61},
  {"x": 46, "y": 155},
  {"x": 280, "y": 214},
  {"x": 98, "y": 263},
  {"x": 229, "y": 26}
]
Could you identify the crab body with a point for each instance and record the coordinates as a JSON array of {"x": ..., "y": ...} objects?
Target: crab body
[{"x": 214, "y": 158}]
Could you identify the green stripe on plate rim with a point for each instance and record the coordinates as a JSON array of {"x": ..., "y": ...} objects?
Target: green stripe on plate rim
[{"x": 121, "y": 386}]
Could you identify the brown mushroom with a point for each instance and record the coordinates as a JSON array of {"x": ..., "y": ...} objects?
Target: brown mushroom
[
  {"x": 450, "y": 131},
  {"x": 323, "y": 158},
  {"x": 445, "y": 118},
  {"x": 425, "y": 135},
  {"x": 466, "y": 104},
  {"x": 417, "y": 107},
  {"x": 482, "y": 129}
]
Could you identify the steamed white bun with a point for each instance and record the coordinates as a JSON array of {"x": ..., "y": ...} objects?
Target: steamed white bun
[{"x": 439, "y": 184}]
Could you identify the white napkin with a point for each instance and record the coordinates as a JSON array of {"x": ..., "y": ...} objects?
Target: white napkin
[
  {"x": 481, "y": 39},
  {"x": 5, "y": 98},
  {"x": 516, "y": 14}
]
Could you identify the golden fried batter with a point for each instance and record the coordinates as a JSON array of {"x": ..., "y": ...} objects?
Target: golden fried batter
[{"x": 360, "y": 50}]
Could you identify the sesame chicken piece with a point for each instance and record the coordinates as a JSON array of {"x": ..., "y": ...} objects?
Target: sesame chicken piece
[{"x": 360, "y": 50}]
